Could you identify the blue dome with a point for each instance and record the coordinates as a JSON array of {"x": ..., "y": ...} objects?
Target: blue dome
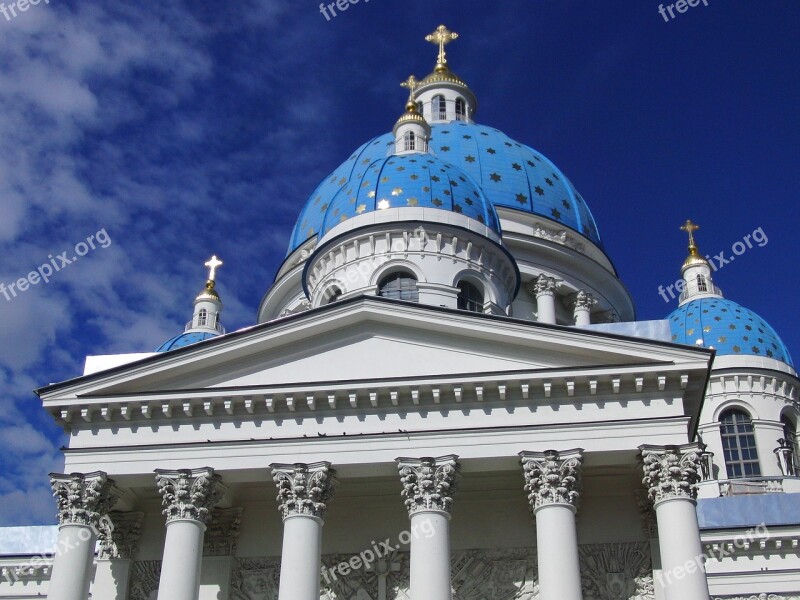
[
  {"x": 184, "y": 339},
  {"x": 510, "y": 175},
  {"x": 730, "y": 328}
]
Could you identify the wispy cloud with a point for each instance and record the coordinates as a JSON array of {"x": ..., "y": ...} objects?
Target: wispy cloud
[{"x": 164, "y": 125}]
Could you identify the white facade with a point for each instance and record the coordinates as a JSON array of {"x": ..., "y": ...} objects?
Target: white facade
[{"x": 488, "y": 442}]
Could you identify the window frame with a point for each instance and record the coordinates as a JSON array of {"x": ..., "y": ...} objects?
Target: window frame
[
  {"x": 738, "y": 442},
  {"x": 401, "y": 291},
  {"x": 465, "y": 301}
]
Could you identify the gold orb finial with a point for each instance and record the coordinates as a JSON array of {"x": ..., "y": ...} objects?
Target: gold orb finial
[{"x": 441, "y": 37}]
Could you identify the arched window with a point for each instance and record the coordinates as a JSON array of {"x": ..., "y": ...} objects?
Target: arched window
[
  {"x": 461, "y": 110},
  {"x": 702, "y": 284},
  {"x": 420, "y": 107},
  {"x": 439, "y": 108},
  {"x": 790, "y": 435},
  {"x": 739, "y": 444},
  {"x": 202, "y": 317},
  {"x": 409, "y": 141},
  {"x": 399, "y": 286},
  {"x": 333, "y": 294},
  {"x": 470, "y": 297}
]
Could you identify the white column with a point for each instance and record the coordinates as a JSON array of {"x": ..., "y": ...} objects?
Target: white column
[
  {"x": 671, "y": 474},
  {"x": 82, "y": 501},
  {"x": 544, "y": 289},
  {"x": 552, "y": 481},
  {"x": 188, "y": 497},
  {"x": 428, "y": 487},
  {"x": 119, "y": 543},
  {"x": 582, "y": 303},
  {"x": 304, "y": 492}
]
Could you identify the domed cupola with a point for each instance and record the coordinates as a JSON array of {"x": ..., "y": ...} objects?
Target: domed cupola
[
  {"x": 411, "y": 132},
  {"x": 205, "y": 321},
  {"x": 442, "y": 96},
  {"x": 705, "y": 318}
]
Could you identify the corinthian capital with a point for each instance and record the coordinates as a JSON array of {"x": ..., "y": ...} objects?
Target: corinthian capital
[
  {"x": 189, "y": 493},
  {"x": 83, "y": 498},
  {"x": 543, "y": 286},
  {"x": 671, "y": 471},
  {"x": 429, "y": 483},
  {"x": 304, "y": 489},
  {"x": 119, "y": 534},
  {"x": 582, "y": 300},
  {"x": 552, "y": 477}
]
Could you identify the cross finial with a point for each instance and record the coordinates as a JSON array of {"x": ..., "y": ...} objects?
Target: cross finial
[
  {"x": 213, "y": 263},
  {"x": 441, "y": 37},
  {"x": 690, "y": 227},
  {"x": 412, "y": 84}
]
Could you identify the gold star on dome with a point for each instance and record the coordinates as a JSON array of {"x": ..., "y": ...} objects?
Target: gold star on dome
[
  {"x": 361, "y": 208},
  {"x": 412, "y": 202},
  {"x": 371, "y": 194},
  {"x": 397, "y": 191},
  {"x": 383, "y": 204}
]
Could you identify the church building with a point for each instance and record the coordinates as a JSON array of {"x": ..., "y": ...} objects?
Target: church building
[{"x": 445, "y": 395}]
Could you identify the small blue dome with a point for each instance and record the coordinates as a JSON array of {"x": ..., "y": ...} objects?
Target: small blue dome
[
  {"x": 184, "y": 339},
  {"x": 730, "y": 328},
  {"x": 510, "y": 175}
]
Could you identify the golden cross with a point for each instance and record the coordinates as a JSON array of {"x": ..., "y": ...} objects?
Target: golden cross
[
  {"x": 412, "y": 84},
  {"x": 690, "y": 227},
  {"x": 213, "y": 263},
  {"x": 441, "y": 37}
]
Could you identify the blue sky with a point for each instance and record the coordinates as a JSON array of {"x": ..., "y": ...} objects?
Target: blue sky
[{"x": 184, "y": 129}]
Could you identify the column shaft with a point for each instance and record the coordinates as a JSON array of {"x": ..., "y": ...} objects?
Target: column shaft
[
  {"x": 671, "y": 474},
  {"x": 304, "y": 492},
  {"x": 188, "y": 497},
  {"x": 301, "y": 558},
  {"x": 552, "y": 481},
  {"x": 72, "y": 567},
  {"x": 557, "y": 552},
  {"x": 546, "y": 304},
  {"x": 430, "y": 556},
  {"x": 583, "y": 317},
  {"x": 183, "y": 555},
  {"x": 83, "y": 499},
  {"x": 682, "y": 569}
]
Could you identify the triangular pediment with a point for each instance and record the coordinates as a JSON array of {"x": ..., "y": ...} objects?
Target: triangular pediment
[{"x": 373, "y": 339}]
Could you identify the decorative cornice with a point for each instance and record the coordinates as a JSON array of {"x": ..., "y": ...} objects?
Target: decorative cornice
[
  {"x": 671, "y": 471},
  {"x": 189, "y": 493},
  {"x": 552, "y": 477},
  {"x": 119, "y": 534},
  {"x": 558, "y": 236},
  {"x": 83, "y": 498},
  {"x": 222, "y": 534},
  {"x": 304, "y": 489},
  {"x": 429, "y": 483},
  {"x": 544, "y": 285}
]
